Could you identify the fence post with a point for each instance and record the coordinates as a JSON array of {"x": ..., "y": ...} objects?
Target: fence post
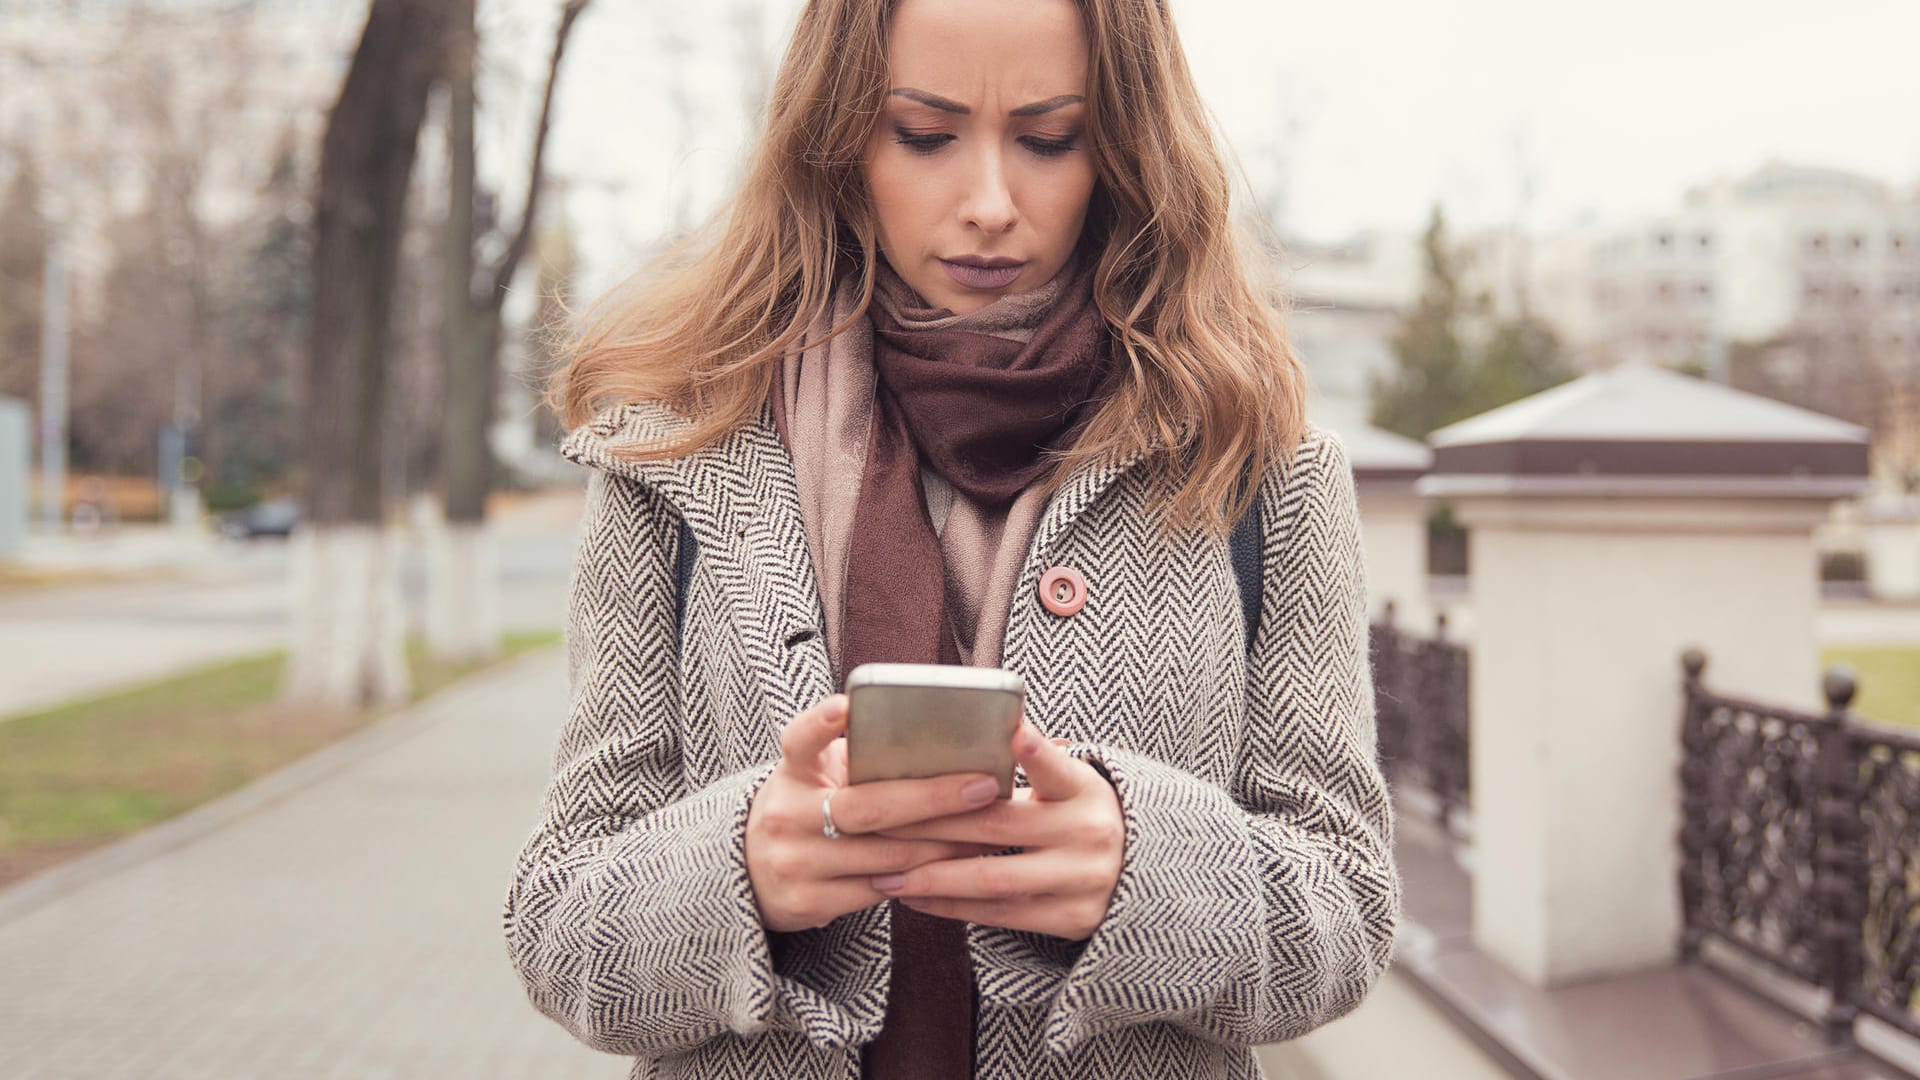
[
  {"x": 1383, "y": 648},
  {"x": 1439, "y": 717},
  {"x": 1839, "y": 886},
  {"x": 1695, "y": 805}
]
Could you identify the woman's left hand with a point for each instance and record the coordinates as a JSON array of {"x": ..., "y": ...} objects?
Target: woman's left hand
[{"x": 1068, "y": 824}]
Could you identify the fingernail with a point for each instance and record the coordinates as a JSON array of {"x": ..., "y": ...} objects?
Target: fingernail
[
  {"x": 980, "y": 791},
  {"x": 890, "y": 882},
  {"x": 1029, "y": 740}
]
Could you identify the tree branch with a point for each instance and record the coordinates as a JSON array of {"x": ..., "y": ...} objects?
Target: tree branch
[{"x": 509, "y": 262}]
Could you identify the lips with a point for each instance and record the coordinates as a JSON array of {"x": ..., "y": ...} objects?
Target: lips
[{"x": 980, "y": 272}]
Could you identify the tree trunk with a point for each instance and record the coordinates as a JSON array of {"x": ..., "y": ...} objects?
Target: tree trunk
[
  {"x": 462, "y": 604},
  {"x": 348, "y": 637},
  {"x": 462, "y": 617}
]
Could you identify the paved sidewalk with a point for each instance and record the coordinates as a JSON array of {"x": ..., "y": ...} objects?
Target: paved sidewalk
[
  {"x": 1394, "y": 1034},
  {"x": 339, "y": 919}
]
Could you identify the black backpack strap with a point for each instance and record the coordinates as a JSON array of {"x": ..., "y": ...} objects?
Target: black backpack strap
[
  {"x": 1244, "y": 548},
  {"x": 683, "y": 575}
]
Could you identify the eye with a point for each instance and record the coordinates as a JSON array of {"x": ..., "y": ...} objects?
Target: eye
[
  {"x": 1050, "y": 147},
  {"x": 920, "y": 142}
]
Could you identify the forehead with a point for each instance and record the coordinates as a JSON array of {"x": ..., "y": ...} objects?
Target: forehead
[{"x": 997, "y": 53}]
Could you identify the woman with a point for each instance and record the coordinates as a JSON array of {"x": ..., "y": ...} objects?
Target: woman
[{"x": 976, "y": 321}]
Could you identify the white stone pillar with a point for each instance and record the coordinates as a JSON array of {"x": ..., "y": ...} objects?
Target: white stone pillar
[
  {"x": 1393, "y": 520},
  {"x": 1582, "y": 608},
  {"x": 1393, "y": 535},
  {"x": 1617, "y": 520}
]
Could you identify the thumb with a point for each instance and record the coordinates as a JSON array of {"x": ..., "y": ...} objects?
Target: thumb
[
  {"x": 804, "y": 741},
  {"x": 1052, "y": 773}
]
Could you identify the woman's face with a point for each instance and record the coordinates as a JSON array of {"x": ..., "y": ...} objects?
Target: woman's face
[{"x": 978, "y": 168}]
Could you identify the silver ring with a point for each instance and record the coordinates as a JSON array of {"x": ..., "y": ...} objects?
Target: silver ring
[{"x": 826, "y": 812}]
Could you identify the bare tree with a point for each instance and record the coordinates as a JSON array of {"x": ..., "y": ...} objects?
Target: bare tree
[
  {"x": 1886, "y": 400},
  {"x": 347, "y": 625},
  {"x": 23, "y": 253},
  {"x": 1843, "y": 366},
  {"x": 463, "y": 615},
  {"x": 747, "y": 21},
  {"x": 173, "y": 155},
  {"x": 1897, "y": 443},
  {"x": 1279, "y": 149}
]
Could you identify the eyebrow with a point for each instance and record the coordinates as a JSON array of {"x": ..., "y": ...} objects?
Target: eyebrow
[{"x": 935, "y": 101}]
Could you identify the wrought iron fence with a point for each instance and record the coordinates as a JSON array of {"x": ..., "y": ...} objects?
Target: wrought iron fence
[
  {"x": 1420, "y": 709},
  {"x": 1800, "y": 845}
]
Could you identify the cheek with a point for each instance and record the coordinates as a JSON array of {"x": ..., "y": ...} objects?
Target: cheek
[
  {"x": 1061, "y": 196},
  {"x": 899, "y": 198}
]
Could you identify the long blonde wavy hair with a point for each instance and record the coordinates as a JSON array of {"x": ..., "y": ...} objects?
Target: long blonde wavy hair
[{"x": 1210, "y": 389}]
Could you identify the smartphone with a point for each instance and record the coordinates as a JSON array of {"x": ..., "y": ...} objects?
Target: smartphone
[{"x": 906, "y": 721}]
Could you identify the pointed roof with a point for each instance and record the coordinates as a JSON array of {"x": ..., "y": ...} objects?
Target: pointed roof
[
  {"x": 1376, "y": 454},
  {"x": 1640, "y": 401},
  {"x": 1639, "y": 429}
]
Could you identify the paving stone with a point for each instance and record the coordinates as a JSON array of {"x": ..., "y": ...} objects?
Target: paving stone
[{"x": 350, "y": 929}]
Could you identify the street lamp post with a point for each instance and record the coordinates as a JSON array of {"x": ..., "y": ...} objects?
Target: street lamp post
[{"x": 53, "y": 385}]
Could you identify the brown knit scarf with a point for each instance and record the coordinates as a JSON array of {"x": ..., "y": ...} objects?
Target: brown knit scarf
[{"x": 981, "y": 411}]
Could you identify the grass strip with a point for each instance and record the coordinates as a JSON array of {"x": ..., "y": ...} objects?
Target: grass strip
[
  {"x": 1889, "y": 678},
  {"x": 88, "y": 772}
]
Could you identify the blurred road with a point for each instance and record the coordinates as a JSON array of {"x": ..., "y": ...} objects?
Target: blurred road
[{"x": 222, "y": 598}]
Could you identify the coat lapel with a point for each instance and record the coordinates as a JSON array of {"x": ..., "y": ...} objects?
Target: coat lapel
[
  {"x": 740, "y": 498},
  {"x": 1074, "y": 496},
  {"x": 1078, "y": 492}
]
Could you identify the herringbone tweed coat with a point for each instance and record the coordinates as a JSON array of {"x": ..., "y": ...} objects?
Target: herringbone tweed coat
[{"x": 1258, "y": 896}]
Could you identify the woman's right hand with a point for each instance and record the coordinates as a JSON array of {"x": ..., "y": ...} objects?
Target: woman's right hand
[{"x": 802, "y": 879}]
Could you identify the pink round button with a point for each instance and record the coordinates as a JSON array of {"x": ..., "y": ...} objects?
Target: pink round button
[{"x": 1063, "y": 591}]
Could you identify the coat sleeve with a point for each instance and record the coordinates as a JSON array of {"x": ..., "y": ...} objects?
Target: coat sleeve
[
  {"x": 630, "y": 918},
  {"x": 1256, "y": 914}
]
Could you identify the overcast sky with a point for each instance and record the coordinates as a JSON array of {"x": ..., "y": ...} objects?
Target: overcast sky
[{"x": 1614, "y": 109}]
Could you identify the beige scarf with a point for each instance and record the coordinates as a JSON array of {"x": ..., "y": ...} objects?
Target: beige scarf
[{"x": 827, "y": 415}]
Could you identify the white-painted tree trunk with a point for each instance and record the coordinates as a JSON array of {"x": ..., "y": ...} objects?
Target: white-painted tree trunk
[
  {"x": 349, "y": 642},
  {"x": 463, "y": 592}
]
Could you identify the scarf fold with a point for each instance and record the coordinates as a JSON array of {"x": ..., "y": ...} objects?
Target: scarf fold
[
  {"x": 981, "y": 408},
  {"x": 980, "y": 405},
  {"x": 974, "y": 403}
]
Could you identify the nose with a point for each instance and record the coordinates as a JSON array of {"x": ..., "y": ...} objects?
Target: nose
[{"x": 989, "y": 202}]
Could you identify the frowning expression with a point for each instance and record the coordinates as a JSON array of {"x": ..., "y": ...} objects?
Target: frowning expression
[{"x": 978, "y": 167}]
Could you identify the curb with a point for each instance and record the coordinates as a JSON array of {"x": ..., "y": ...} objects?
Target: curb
[{"x": 56, "y": 882}]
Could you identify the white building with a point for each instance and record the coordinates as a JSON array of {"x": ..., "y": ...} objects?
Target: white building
[
  {"x": 1797, "y": 282},
  {"x": 1808, "y": 276},
  {"x": 1347, "y": 299}
]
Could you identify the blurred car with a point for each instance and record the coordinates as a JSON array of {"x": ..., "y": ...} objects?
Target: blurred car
[{"x": 271, "y": 517}]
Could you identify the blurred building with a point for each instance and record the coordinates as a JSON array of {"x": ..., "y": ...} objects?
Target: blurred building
[
  {"x": 16, "y": 455},
  {"x": 1347, "y": 299},
  {"x": 1797, "y": 282},
  {"x": 1817, "y": 268}
]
